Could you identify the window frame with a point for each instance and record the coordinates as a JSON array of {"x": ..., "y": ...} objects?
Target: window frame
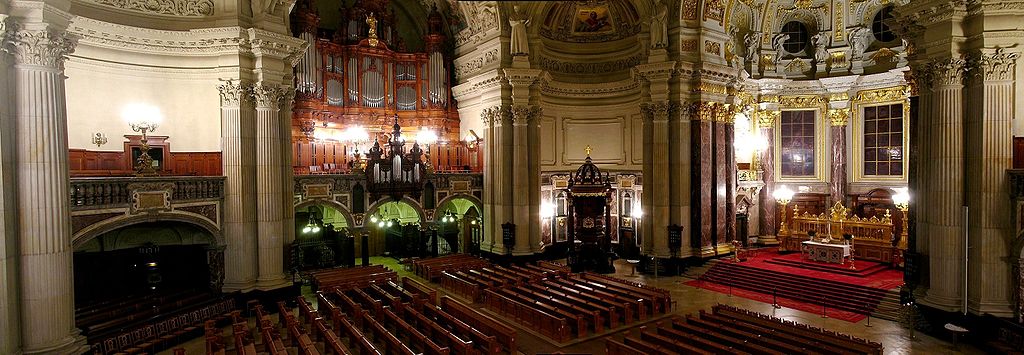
[
  {"x": 820, "y": 144},
  {"x": 856, "y": 149}
]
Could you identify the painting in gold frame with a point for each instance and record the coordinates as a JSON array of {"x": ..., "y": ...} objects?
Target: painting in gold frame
[{"x": 595, "y": 20}]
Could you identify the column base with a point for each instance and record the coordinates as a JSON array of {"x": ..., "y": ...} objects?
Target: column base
[
  {"x": 768, "y": 240},
  {"x": 74, "y": 344},
  {"x": 239, "y": 286},
  {"x": 948, "y": 304},
  {"x": 998, "y": 309},
  {"x": 272, "y": 284}
]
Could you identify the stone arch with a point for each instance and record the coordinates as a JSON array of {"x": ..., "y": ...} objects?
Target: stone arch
[
  {"x": 406, "y": 199},
  {"x": 472, "y": 199},
  {"x": 111, "y": 224},
  {"x": 332, "y": 204},
  {"x": 813, "y": 20}
]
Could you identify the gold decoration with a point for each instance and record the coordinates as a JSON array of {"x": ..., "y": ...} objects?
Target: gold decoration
[
  {"x": 837, "y": 60},
  {"x": 883, "y": 54},
  {"x": 706, "y": 111},
  {"x": 713, "y": 47},
  {"x": 769, "y": 99},
  {"x": 797, "y": 66},
  {"x": 838, "y": 28},
  {"x": 768, "y": 61},
  {"x": 712, "y": 88},
  {"x": 372, "y": 23},
  {"x": 802, "y": 4},
  {"x": 839, "y": 97},
  {"x": 688, "y": 45},
  {"x": 588, "y": 150},
  {"x": 896, "y": 93},
  {"x": 839, "y": 116},
  {"x": 801, "y": 101},
  {"x": 766, "y": 119}
]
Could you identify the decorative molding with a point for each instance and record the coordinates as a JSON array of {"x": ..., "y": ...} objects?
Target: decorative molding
[
  {"x": 688, "y": 45},
  {"x": 896, "y": 93},
  {"x": 474, "y": 65},
  {"x": 656, "y": 71},
  {"x": 801, "y": 101},
  {"x": 714, "y": 10},
  {"x": 713, "y": 47},
  {"x": 839, "y": 116},
  {"x": 150, "y": 197},
  {"x": 689, "y": 10},
  {"x": 842, "y": 96},
  {"x": 997, "y": 65},
  {"x": 521, "y": 77},
  {"x": 712, "y": 88},
  {"x": 555, "y": 65},
  {"x": 220, "y": 40},
  {"x": 182, "y": 8},
  {"x": 38, "y": 47},
  {"x": 234, "y": 92}
]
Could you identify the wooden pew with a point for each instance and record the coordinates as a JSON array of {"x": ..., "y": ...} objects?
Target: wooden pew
[
  {"x": 381, "y": 334},
  {"x": 465, "y": 288},
  {"x": 419, "y": 288},
  {"x": 683, "y": 325},
  {"x": 634, "y": 306},
  {"x": 364, "y": 299},
  {"x": 487, "y": 343},
  {"x": 412, "y": 334},
  {"x": 332, "y": 342},
  {"x": 662, "y": 301},
  {"x": 503, "y": 333},
  {"x": 612, "y": 346},
  {"x": 357, "y": 338},
  {"x": 609, "y": 313},
  {"x": 801, "y": 330},
  {"x": 437, "y": 332},
  {"x": 757, "y": 338},
  {"x": 647, "y": 347},
  {"x": 551, "y": 325},
  {"x": 588, "y": 314},
  {"x": 349, "y": 306},
  {"x": 673, "y": 343}
]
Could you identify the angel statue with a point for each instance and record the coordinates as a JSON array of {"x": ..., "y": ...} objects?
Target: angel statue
[
  {"x": 859, "y": 38},
  {"x": 730, "y": 48},
  {"x": 752, "y": 41},
  {"x": 518, "y": 21},
  {"x": 777, "y": 43},
  {"x": 821, "y": 42}
]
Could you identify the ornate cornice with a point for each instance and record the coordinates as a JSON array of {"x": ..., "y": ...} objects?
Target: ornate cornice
[
  {"x": 896, "y": 93},
  {"x": 656, "y": 71},
  {"x": 472, "y": 66},
  {"x": 234, "y": 92},
  {"x": 558, "y": 66},
  {"x": 839, "y": 116},
  {"x": 802, "y": 101},
  {"x": 521, "y": 77},
  {"x": 38, "y": 47},
  {"x": 275, "y": 45},
  {"x": 995, "y": 65},
  {"x": 491, "y": 79},
  {"x": 220, "y": 40},
  {"x": 179, "y": 8},
  {"x": 266, "y": 95}
]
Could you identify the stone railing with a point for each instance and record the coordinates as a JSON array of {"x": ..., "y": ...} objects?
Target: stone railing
[{"x": 91, "y": 193}]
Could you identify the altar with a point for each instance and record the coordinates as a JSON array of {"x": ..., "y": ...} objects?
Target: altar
[{"x": 832, "y": 253}]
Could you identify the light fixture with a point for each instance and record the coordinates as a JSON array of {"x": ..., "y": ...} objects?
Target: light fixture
[
  {"x": 638, "y": 211},
  {"x": 311, "y": 227},
  {"x": 449, "y": 217},
  {"x": 902, "y": 201},
  {"x": 472, "y": 139},
  {"x": 144, "y": 119},
  {"x": 783, "y": 195},
  {"x": 426, "y": 136},
  {"x": 99, "y": 139},
  {"x": 547, "y": 209}
]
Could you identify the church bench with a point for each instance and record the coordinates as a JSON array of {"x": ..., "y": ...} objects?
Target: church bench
[
  {"x": 349, "y": 306},
  {"x": 493, "y": 279},
  {"x": 591, "y": 315},
  {"x": 412, "y": 334},
  {"x": 661, "y": 298},
  {"x": 700, "y": 341},
  {"x": 368, "y": 302},
  {"x": 618, "y": 310},
  {"x": 514, "y": 278},
  {"x": 577, "y": 321},
  {"x": 778, "y": 340},
  {"x": 556, "y": 268},
  {"x": 714, "y": 334},
  {"x": 525, "y": 276},
  {"x": 647, "y": 347},
  {"x": 487, "y": 325},
  {"x": 652, "y": 306},
  {"x": 437, "y": 332},
  {"x": 417, "y": 287},
  {"x": 379, "y": 293},
  {"x": 845, "y": 297},
  {"x": 608, "y": 313},
  {"x": 485, "y": 342},
  {"x": 357, "y": 338},
  {"x": 472, "y": 278},
  {"x": 349, "y": 282},
  {"x": 465, "y": 288},
  {"x": 552, "y": 326},
  {"x": 305, "y": 310},
  {"x": 332, "y": 342},
  {"x": 534, "y": 275},
  {"x": 612, "y": 346},
  {"x": 673, "y": 343},
  {"x": 299, "y": 338},
  {"x": 272, "y": 343},
  {"x": 839, "y": 340},
  {"x": 408, "y": 297},
  {"x": 244, "y": 343},
  {"x": 634, "y": 306},
  {"x": 147, "y": 335},
  {"x": 391, "y": 342}
]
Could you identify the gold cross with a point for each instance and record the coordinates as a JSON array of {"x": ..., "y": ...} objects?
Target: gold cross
[{"x": 588, "y": 150}]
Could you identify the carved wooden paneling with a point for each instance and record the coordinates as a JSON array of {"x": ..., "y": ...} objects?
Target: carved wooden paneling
[
  {"x": 196, "y": 163},
  {"x": 85, "y": 163}
]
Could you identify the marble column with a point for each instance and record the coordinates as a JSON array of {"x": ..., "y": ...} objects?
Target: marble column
[
  {"x": 269, "y": 177},
  {"x": 729, "y": 125},
  {"x": 680, "y": 164},
  {"x": 657, "y": 185},
  {"x": 724, "y": 184},
  {"x": 703, "y": 178},
  {"x": 838, "y": 119},
  {"x": 945, "y": 171},
  {"x": 521, "y": 179},
  {"x": 238, "y": 159},
  {"x": 41, "y": 174},
  {"x": 989, "y": 153},
  {"x": 10, "y": 327},
  {"x": 768, "y": 208}
]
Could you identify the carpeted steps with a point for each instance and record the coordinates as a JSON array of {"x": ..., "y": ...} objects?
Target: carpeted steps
[
  {"x": 889, "y": 307},
  {"x": 832, "y": 294},
  {"x": 861, "y": 272}
]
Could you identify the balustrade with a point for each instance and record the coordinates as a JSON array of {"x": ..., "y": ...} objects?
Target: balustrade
[{"x": 112, "y": 191}]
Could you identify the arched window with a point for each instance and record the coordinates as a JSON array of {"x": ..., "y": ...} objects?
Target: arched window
[
  {"x": 880, "y": 27},
  {"x": 798, "y": 37}
]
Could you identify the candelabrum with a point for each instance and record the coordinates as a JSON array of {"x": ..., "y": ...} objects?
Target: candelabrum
[
  {"x": 144, "y": 164},
  {"x": 903, "y": 207},
  {"x": 783, "y": 195}
]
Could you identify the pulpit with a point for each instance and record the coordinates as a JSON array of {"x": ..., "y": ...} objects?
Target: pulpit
[{"x": 589, "y": 198}]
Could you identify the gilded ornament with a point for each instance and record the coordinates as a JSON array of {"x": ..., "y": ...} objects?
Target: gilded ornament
[
  {"x": 801, "y": 101},
  {"x": 842, "y": 96},
  {"x": 712, "y": 47},
  {"x": 896, "y": 93},
  {"x": 839, "y": 116},
  {"x": 767, "y": 119},
  {"x": 688, "y": 45}
]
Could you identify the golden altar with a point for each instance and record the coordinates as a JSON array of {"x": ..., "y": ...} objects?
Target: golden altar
[{"x": 872, "y": 237}]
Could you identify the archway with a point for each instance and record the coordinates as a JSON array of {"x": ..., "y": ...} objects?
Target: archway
[
  {"x": 322, "y": 237},
  {"x": 394, "y": 229},
  {"x": 163, "y": 256},
  {"x": 459, "y": 227}
]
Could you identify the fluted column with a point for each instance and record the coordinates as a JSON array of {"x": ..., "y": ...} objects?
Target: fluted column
[
  {"x": 657, "y": 187},
  {"x": 288, "y": 178},
  {"x": 239, "y": 159},
  {"x": 521, "y": 179},
  {"x": 269, "y": 175},
  {"x": 494, "y": 178},
  {"x": 41, "y": 164},
  {"x": 10, "y": 324},
  {"x": 945, "y": 171},
  {"x": 838, "y": 119},
  {"x": 768, "y": 207},
  {"x": 989, "y": 153}
]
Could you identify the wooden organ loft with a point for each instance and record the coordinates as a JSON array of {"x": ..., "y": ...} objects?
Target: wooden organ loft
[{"x": 358, "y": 76}]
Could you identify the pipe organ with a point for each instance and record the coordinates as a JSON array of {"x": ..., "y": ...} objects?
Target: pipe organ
[{"x": 360, "y": 75}]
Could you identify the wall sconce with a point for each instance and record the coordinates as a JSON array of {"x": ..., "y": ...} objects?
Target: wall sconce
[{"x": 99, "y": 139}]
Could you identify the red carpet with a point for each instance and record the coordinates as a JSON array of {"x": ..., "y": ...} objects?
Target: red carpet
[{"x": 804, "y": 285}]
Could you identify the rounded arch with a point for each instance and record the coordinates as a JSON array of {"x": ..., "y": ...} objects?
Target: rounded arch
[
  {"x": 406, "y": 199},
  {"x": 332, "y": 204},
  {"x": 472, "y": 199},
  {"x": 112, "y": 224}
]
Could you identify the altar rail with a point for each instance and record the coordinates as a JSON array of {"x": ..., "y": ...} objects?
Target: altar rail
[{"x": 873, "y": 237}]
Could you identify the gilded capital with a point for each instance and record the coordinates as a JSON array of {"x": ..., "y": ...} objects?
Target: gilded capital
[
  {"x": 839, "y": 116},
  {"x": 706, "y": 111},
  {"x": 42, "y": 48},
  {"x": 766, "y": 119}
]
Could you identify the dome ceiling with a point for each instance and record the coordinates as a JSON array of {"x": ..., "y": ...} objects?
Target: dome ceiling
[{"x": 590, "y": 21}]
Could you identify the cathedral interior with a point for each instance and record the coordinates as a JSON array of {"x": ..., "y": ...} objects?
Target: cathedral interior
[{"x": 442, "y": 176}]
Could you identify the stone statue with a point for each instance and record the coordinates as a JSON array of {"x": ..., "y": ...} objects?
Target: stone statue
[
  {"x": 859, "y": 38},
  {"x": 659, "y": 27},
  {"x": 520, "y": 43},
  {"x": 777, "y": 43},
  {"x": 730, "y": 48},
  {"x": 752, "y": 41},
  {"x": 821, "y": 42}
]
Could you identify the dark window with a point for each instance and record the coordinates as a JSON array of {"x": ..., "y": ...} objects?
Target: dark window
[
  {"x": 883, "y": 140},
  {"x": 880, "y": 27},
  {"x": 798, "y": 37},
  {"x": 797, "y": 143}
]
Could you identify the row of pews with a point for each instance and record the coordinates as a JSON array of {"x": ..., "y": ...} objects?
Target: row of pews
[
  {"x": 148, "y": 323},
  {"x": 359, "y": 276},
  {"x": 731, "y": 330},
  {"x": 547, "y": 297},
  {"x": 431, "y": 269}
]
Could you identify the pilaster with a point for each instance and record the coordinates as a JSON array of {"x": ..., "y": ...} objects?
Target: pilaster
[
  {"x": 525, "y": 201},
  {"x": 240, "y": 203}
]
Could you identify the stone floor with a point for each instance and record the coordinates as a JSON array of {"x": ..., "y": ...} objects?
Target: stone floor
[{"x": 894, "y": 338}]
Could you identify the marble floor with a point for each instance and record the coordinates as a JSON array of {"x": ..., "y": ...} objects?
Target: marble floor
[{"x": 894, "y": 338}]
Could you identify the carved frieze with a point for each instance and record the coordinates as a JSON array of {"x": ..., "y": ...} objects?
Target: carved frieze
[
  {"x": 38, "y": 47},
  {"x": 208, "y": 211},
  {"x": 184, "y": 8},
  {"x": 474, "y": 65},
  {"x": 558, "y": 66},
  {"x": 712, "y": 47},
  {"x": 714, "y": 10},
  {"x": 801, "y": 101},
  {"x": 688, "y": 45},
  {"x": 896, "y": 93},
  {"x": 80, "y": 222}
]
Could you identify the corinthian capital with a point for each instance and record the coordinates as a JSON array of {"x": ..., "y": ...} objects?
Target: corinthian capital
[
  {"x": 656, "y": 111},
  {"x": 996, "y": 65},
  {"x": 493, "y": 114},
  {"x": 42, "y": 48},
  {"x": 523, "y": 114},
  {"x": 267, "y": 95},
  {"x": 947, "y": 71},
  {"x": 234, "y": 92}
]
